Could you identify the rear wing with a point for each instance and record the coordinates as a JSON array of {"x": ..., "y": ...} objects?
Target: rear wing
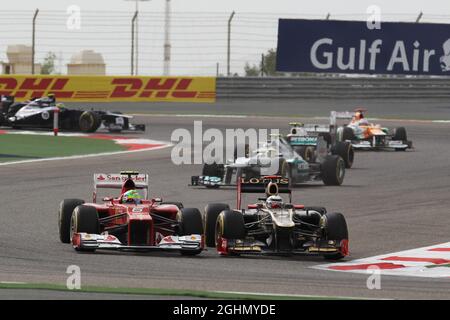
[
  {"x": 335, "y": 115},
  {"x": 259, "y": 185},
  {"x": 117, "y": 180}
]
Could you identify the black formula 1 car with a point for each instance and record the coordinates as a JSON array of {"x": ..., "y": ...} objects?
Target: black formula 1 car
[
  {"x": 273, "y": 226},
  {"x": 39, "y": 113}
]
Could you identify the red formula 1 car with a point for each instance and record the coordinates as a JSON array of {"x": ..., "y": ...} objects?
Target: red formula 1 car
[
  {"x": 130, "y": 222},
  {"x": 273, "y": 226}
]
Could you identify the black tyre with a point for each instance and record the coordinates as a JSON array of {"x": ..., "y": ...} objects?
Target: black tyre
[
  {"x": 178, "y": 204},
  {"x": 333, "y": 170},
  {"x": 345, "y": 151},
  {"x": 400, "y": 134},
  {"x": 212, "y": 211},
  {"x": 327, "y": 137},
  {"x": 84, "y": 219},
  {"x": 336, "y": 230},
  {"x": 347, "y": 134},
  {"x": 66, "y": 208},
  {"x": 306, "y": 152},
  {"x": 230, "y": 225},
  {"x": 89, "y": 121},
  {"x": 190, "y": 221},
  {"x": 285, "y": 170}
]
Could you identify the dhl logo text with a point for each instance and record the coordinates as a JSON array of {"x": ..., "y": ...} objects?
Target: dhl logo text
[{"x": 109, "y": 88}]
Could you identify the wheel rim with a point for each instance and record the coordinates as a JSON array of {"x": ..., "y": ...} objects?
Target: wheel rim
[
  {"x": 72, "y": 226},
  {"x": 340, "y": 170}
]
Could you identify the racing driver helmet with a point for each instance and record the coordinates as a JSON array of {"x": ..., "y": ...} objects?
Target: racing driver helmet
[
  {"x": 131, "y": 196},
  {"x": 274, "y": 202}
]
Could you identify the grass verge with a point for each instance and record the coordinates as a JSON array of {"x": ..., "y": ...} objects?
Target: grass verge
[{"x": 16, "y": 147}]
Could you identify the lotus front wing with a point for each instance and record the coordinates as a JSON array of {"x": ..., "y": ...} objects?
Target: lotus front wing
[{"x": 91, "y": 242}]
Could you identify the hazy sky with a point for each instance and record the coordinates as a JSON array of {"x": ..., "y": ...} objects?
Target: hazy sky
[
  {"x": 198, "y": 33},
  {"x": 293, "y": 6}
]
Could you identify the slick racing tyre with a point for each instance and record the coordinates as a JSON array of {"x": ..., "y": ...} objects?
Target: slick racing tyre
[
  {"x": 336, "y": 230},
  {"x": 84, "y": 219},
  {"x": 345, "y": 150},
  {"x": 400, "y": 134},
  {"x": 346, "y": 133},
  {"x": 212, "y": 211},
  {"x": 306, "y": 152},
  {"x": 333, "y": 170},
  {"x": 66, "y": 208},
  {"x": 327, "y": 137},
  {"x": 190, "y": 222},
  {"x": 285, "y": 170},
  {"x": 89, "y": 121},
  {"x": 230, "y": 225}
]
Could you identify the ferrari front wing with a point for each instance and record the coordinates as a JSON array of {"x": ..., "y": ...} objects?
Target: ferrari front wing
[{"x": 86, "y": 242}]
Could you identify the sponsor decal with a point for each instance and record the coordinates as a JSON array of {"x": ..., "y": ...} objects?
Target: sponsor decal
[
  {"x": 282, "y": 181},
  {"x": 353, "y": 47},
  {"x": 110, "y": 88}
]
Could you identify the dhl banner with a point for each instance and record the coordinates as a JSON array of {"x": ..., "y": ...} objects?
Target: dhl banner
[{"x": 110, "y": 88}]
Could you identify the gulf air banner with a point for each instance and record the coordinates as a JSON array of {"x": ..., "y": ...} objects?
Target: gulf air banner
[
  {"x": 110, "y": 88},
  {"x": 360, "y": 47}
]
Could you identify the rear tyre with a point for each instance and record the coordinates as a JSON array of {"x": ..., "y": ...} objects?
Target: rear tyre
[
  {"x": 230, "y": 226},
  {"x": 336, "y": 230},
  {"x": 66, "y": 208},
  {"x": 347, "y": 134},
  {"x": 285, "y": 170},
  {"x": 333, "y": 170},
  {"x": 345, "y": 151},
  {"x": 89, "y": 121},
  {"x": 212, "y": 211},
  {"x": 327, "y": 137},
  {"x": 84, "y": 219},
  {"x": 306, "y": 152},
  {"x": 190, "y": 222}
]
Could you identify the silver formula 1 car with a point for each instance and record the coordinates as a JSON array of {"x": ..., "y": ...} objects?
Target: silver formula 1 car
[{"x": 275, "y": 157}]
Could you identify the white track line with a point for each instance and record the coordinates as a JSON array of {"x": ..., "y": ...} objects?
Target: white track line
[
  {"x": 430, "y": 262},
  {"x": 165, "y": 145}
]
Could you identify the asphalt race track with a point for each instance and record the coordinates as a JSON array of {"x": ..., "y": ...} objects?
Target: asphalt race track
[{"x": 392, "y": 201}]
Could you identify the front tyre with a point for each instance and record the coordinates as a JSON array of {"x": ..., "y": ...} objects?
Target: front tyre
[
  {"x": 66, "y": 208},
  {"x": 84, "y": 220},
  {"x": 212, "y": 211},
  {"x": 230, "y": 225},
  {"x": 190, "y": 222},
  {"x": 335, "y": 228}
]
